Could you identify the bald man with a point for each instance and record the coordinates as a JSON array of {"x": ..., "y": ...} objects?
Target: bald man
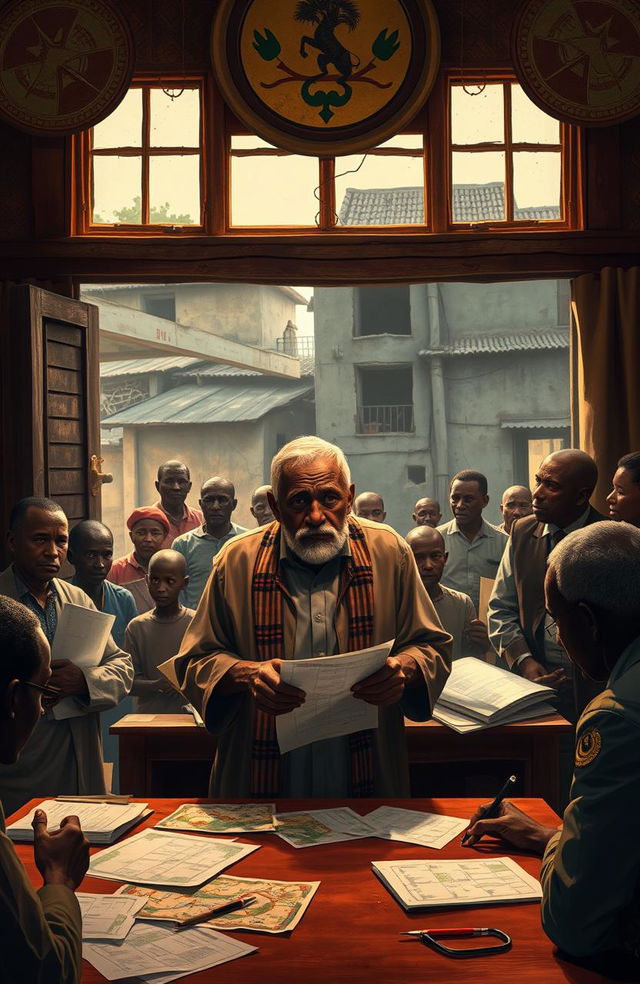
[
  {"x": 518, "y": 627},
  {"x": 260, "y": 508},
  {"x": 200, "y": 546},
  {"x": 427, "y": 512},
  {"x": 454, "y": 609},
  {"x": 516, "y": 502},
  {"x": 369, "y": 505}
]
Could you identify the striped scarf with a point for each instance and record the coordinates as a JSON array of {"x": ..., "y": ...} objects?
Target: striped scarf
[{"x": 267, "y": 590}]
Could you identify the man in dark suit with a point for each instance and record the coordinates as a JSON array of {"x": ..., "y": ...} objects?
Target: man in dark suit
[{"x": 519, "y": 628}]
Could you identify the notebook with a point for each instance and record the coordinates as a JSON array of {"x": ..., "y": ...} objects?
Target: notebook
[
  {"x": 102, "y": 823},
  {"x": 482, "y": 881}
]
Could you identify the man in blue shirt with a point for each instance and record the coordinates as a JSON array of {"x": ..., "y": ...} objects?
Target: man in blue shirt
[{"x": 199, "y": 546}]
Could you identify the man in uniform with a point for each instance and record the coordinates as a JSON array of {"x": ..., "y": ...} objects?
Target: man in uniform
[
  {"x": 62, "y": 755},
  {"x": 318, "y": 583},
  {"x": 41, "y": 932},
  {"x": 591, "y": 866}
]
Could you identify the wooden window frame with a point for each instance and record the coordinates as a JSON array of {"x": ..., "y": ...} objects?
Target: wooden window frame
[
  {"x": 569, "y": 148},
  {"x": 86, "y": 153}
]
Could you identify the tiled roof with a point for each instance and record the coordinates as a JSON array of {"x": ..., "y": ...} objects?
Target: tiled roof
[
  {"x": 224, "y": 401},
  {"x": 405, "y": 206},
  {"x": 539, "y": 423},
  {"x": 525, "y": 341}
]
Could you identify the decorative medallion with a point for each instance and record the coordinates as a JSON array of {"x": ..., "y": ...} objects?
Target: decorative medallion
[
  {"x": 588, "y": 747},
  {"x": 325, "y": 76},
  {"x": 64, "y": 64},
  {"x": 579, "y": 60}
]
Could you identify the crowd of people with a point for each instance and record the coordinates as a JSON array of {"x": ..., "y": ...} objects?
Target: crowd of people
[{"x": 205, "y": 611}]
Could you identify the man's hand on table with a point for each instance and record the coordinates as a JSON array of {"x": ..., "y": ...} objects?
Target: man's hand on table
[
  {"x": 62, "y": 857},
  {"x": 387, "y": 685},
  {"x": 512, "y": 826},
  {"x": 68, "y": 679},
  {"x": 532, "y": 670}
]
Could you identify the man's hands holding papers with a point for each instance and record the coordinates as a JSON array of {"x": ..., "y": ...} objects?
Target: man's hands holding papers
[
  {"x": 386, "y": 686},
  {"x": 61, "y": 857},
  {"x": 512, "y": 826},
  {"x": 269, "y": 691},
  {"x": 68, "y": 679}
]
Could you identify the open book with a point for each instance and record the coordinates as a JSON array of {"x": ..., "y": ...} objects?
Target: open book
[
  {"x": 478, "y": 695},
  {"x": 102, "y": 823}
]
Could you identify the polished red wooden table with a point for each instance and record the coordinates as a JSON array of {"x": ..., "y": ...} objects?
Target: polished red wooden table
[
  {"x": 350, "y": 933},
  {"x": 154, "y": 749}
]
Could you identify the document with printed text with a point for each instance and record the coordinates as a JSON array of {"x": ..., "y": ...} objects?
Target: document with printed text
[
  {"x": 107, "y": 917},
  {"x": 81, "y": 636},
  {"x": 415, "y": 827},
  {"x": 330, "y": 709},
  {"x": 309, "y": 828},
  {"x": 102, "y": 823}
]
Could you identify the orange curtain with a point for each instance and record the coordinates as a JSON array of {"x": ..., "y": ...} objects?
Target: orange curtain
[{"x": 606, "y": 307}]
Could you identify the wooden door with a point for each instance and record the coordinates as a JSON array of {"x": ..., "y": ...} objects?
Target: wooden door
[{"x": 51, "y": 401}]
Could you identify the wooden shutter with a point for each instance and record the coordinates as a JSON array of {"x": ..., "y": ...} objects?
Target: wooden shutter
[{"x": 50, "y": 376}]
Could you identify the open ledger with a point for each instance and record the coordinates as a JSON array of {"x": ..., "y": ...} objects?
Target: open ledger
[
  {"x": 102, "y": 823},
  {"x": 478, "y": 695},
  {"x": 486, "y": 881}
]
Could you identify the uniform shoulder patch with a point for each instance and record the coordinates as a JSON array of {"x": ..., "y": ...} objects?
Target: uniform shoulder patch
[{"x": 588, "y": 747}]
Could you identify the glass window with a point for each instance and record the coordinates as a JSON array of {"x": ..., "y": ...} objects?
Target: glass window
[{"x": 270, "y": 187}]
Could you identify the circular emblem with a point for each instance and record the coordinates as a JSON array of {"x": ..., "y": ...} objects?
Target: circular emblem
[
  {"x": 579, "y": 60},
  {"x": 64, "y": 64},
  {"x": 588, "y": 747},
  {"x": 325, "y": 76}
]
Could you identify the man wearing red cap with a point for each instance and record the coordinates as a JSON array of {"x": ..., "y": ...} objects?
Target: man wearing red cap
[{"x": 148, "y": 527}]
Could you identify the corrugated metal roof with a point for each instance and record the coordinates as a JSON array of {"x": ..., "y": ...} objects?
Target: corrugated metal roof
[
  {"x": 540, "y": 423},
  {"x": 138, "y": 367},
  {"x": 207, "y": 370},
  {"x": 215, "y": 403},
  {"x": 405, "y": 206},
  {"x": 530, "y": 341}
]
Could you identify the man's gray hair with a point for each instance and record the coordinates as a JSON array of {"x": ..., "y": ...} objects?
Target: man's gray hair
[
  {"x": 304, "y": 450},
  {"x": 599, "y": 566}
]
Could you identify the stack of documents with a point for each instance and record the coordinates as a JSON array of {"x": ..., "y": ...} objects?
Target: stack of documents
[
  {"x": 478, "y": 695},
  {"x": 486, "y": 881},
  {"x": 102, "y": 823}
]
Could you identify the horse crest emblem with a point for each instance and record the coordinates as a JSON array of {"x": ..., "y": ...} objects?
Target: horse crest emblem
[{"x": 325, "y": 76}]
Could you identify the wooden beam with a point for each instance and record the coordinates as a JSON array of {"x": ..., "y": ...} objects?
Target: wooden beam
[{"x": 146, "y": 331}]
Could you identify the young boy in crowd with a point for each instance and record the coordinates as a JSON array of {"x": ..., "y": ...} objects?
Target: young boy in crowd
[{"x": 156, "y": 635}]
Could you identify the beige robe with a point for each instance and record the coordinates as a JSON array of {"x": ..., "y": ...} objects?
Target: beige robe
[
  {"x": 222, "y": 632},
  {"x": 107, "y": 683},
  {"x": 40, "y": 932}
]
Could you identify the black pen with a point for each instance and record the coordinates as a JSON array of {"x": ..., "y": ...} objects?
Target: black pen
[
  {"x": 490, "y": 811},
  {"x": 218, "y": 910}
]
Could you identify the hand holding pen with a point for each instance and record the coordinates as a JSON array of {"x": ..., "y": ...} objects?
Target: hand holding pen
[
  {"x": 475, "y": 830},
  {"x": 511, "y": 824}
]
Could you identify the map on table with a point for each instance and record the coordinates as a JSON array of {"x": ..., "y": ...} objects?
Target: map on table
[
  {"x": 221, "y": 818},
  {"x": 278, "y": 908},
  {"x": 311, "y": 827}
]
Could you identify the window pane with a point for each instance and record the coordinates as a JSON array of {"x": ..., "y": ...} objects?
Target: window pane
[
  {"x": 383, "y": 191},
  {"x": 405, "y": 140},
  {"x": 123, "y": 128},
  {"x": 274, "y": 190},
  {"x": 174, "y": 190},
  {"x": 247, "y": 141},
  {"x": 479, "y": 118},
  {"x": 116, "y": 189},
  {"x": 536, "y": 185},
  {"x": 530, "y": 124},
  {"x": 175, "y": 122},
  {"x": 537, "y": 450},
  {"x": 478, "y": 187}
]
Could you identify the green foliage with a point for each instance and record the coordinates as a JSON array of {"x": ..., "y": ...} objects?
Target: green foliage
[{"x": 131, "y": 215}]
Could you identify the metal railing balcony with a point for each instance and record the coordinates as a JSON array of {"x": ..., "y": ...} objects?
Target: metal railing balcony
[
  {"x": 386, "y": 419},
  {"x": 299, "y": 347}
]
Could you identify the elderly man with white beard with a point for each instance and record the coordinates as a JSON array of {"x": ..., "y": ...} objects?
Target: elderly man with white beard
[{"x": 315, "y": 582}]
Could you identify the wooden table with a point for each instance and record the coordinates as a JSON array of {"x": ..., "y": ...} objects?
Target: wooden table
[
  {"x": 148, "y": 746},
  {"x": 350, "y": 933}
]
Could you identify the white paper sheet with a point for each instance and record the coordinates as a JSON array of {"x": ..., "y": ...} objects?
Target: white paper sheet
[
  {"x": 156, "y": 857},
  {"x": 418, "y": 884},
  {"x": 480, "y": 690},
  {"x": 156, "y": 950},
  {"x": 414, "y": 827},
  {"x": 107, "y": 917},
  {"x": 81, "y": 635},
  {"x": 463, "y": 724},
  {"x": 98, "y": 820},
  {"x": 308, "y": 828},
  {"x": 330, "y": 709}
]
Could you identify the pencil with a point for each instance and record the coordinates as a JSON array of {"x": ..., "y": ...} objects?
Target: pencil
[
  {"x": 219, "y": 910},
  {"x": 490, "y": 811}
]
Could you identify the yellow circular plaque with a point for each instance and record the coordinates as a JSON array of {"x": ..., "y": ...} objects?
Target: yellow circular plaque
[
  {"x": 588, "y": 747},
  {"x": 325, "y": 76}
]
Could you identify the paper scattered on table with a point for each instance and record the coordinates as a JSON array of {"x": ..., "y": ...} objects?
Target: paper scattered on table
[
  {"x": 102, "y": 823},
  {"x": 279, "y": 905},
  {"x": 107, "y": 917},
  {"x": 415, "y": 827},
  {"x": 158, "y": 951},
  {"x": 221, "y": 818},
  {"x": 157, "y": 857},
  {"x": 81, "y": 636},
  {"x": 482, "y": 881},
  {"x": 311, "y": 827},
  {"x": 330, "y": 709}
]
